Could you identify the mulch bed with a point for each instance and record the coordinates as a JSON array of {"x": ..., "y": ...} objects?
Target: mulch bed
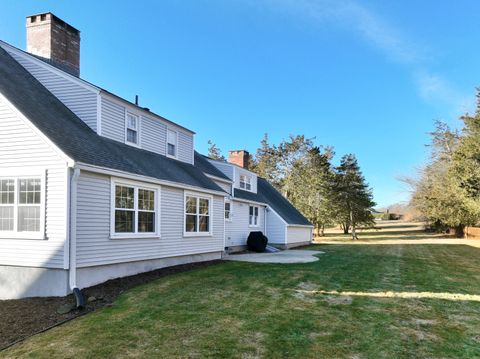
[{"x": 22, "y": 318}]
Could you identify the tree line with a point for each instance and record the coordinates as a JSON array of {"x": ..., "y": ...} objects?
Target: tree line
[
  {"x": 303, "y": 172},
  {"x": 447, "y": 190}
]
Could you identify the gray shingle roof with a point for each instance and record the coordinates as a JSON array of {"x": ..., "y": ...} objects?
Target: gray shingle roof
[
  {"x": 205, "y": 166},
  {"x": 266, "y": 193},
  {"x": 80, "y": 142}
]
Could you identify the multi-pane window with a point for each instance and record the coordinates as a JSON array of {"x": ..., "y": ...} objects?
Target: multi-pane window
[
  {"x": 29, "y": 205},
  {"x": 253, "y": 216},
  {"x": 146, "y": 211},
  {"x": 228, "y": 211},
  {"x": 171, "y": 143},
  {"x": 135, "y": 210},
  {"x": 132, "y": 129},
  {"x": 7, "y": 204},
  {"x": 245, "y": 182},
  {"x": 124, "y": 209},
  {"x": 197, "y": 214},
  {"x": 20, "y": 204}
]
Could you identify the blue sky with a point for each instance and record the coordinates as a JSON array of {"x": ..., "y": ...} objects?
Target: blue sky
[{"x": 367, "y": 77}]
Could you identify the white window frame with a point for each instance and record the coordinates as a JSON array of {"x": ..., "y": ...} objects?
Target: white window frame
[
  {"x": 247, "y": 181},
  {"x": 257, "y": 217},
  {"x": 230, "y": 212},
  {"x": 210, "y": 216},
  {"x": 127, "y": 113},
  {"x": 17, "y": 176},
  {"x": 176, "y": 144},
  {"x": 136, "y": 186}
]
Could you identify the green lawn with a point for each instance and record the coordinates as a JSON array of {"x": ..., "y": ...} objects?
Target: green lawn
[{"x": 245, "y": 310}]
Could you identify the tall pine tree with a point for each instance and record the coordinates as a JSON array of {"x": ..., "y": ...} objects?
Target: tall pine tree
[{"x": 353, "y": 199}]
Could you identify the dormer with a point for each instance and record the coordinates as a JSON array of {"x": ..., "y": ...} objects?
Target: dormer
[
  {"x": 53, "y": 58},
  {"x": 244, "y": 179},
  {"x": 126, "y": 122},
  {"x": 236, "y": 168}
]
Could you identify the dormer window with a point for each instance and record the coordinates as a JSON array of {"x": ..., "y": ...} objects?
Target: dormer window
[
  {"x": 131, "y": 129},
  {"x": 245, "y": 182},
  {"x": 171, "y": 143}
]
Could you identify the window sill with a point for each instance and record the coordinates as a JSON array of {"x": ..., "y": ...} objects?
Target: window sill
[
  {"x": 18, "y": 235},
  {"x": 257, "y": 226},
  {"x": 133, "y": 144},
  {"x": 197, "y": 234},
  {"x": 134, "y": 236}
]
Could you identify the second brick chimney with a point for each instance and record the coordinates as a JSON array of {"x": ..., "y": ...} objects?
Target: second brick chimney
[
  {"x": 55, "y": 40},
  {"x": 239, "y": 158}
]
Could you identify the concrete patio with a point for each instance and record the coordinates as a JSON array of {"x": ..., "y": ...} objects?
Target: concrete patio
[{"x": 287, "y": 257}]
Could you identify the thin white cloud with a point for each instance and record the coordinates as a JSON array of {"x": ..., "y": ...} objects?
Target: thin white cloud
[
  {"x": 433, "y": 88},
  {"x": 390, "y": 41}
]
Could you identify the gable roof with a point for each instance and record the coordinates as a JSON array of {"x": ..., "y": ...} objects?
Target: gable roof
[
  {"x": 202, "y": 162},
  {"x": 266, "y": 193},
  {"x": 67, "y": 72},
  {"x": 78, "y": 141}
]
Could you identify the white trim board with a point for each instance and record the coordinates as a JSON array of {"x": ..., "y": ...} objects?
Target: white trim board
[
  {"x": 146, "y": 179},
  {"x": 213, "y": 177},
  {"x": 247, "y": 201}
]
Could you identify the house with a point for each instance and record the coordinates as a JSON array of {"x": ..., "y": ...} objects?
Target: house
[
  {"x": 95, "y": 187},
  {"x": 254, "y": 204}
]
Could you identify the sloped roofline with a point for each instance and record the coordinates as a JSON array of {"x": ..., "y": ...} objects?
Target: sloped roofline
[
  {"x": 86, "y": 84},
  {"x": 41, "y": 108}
]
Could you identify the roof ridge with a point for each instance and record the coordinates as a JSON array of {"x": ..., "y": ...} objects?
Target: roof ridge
[{"x": 78, "y": 141}]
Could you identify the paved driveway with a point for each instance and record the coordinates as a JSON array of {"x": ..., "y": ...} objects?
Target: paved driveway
[{"x": 288, "y": 256}]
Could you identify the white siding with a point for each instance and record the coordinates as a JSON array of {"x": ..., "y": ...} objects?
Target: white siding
[
  {"x": 113, "y": 120},
  {"x": 93, "y": 227},
  {"x": 185, "y": 147},
  {"x": 237, "y": 230},
  {"x": 275, "y": 228},
  {"x": 21, "y": 148},
  {"x": 298, "y": 234},
  {"x": 226, "y": 168},
  {"x": 154, "y": 134},
  {"x": 79, "y": 99},
  {"x": 153, "y": 131},
  {"x": 227, "y": 187}
]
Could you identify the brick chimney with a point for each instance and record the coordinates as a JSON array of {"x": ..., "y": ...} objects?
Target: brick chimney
[
  {"x": 239, "y": 158},
  {"x": 55, "y": 40}
]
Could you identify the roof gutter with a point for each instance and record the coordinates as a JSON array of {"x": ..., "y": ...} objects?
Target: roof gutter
[
  {"x": 213, "y": 177},
  {"x": 128, "y": 175},
  {"x": 301, "y": 225},
  {"x": 248, "y": 201}
]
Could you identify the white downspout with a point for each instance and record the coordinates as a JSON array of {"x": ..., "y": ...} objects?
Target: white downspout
[
  {"x": 265, "y": 221},
  {"x": 72, "y": 272},
  {"x": 224, "y": 226}
]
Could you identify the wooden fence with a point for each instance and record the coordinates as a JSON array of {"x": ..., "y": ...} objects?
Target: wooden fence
[{"x": 472, "y": 232}]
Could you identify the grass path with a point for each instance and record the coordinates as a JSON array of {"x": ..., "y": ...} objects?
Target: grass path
[{"x": 250, "y": 310}]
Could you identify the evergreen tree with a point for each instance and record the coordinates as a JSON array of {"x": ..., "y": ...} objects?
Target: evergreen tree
[
  {"x": 265, "y": 163},
  {"x": 214, "y": 152},
  {"x": 448, "y": 190},
  {"x": 352, "y": 197},
  {"x": 310, "y": 187}
]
